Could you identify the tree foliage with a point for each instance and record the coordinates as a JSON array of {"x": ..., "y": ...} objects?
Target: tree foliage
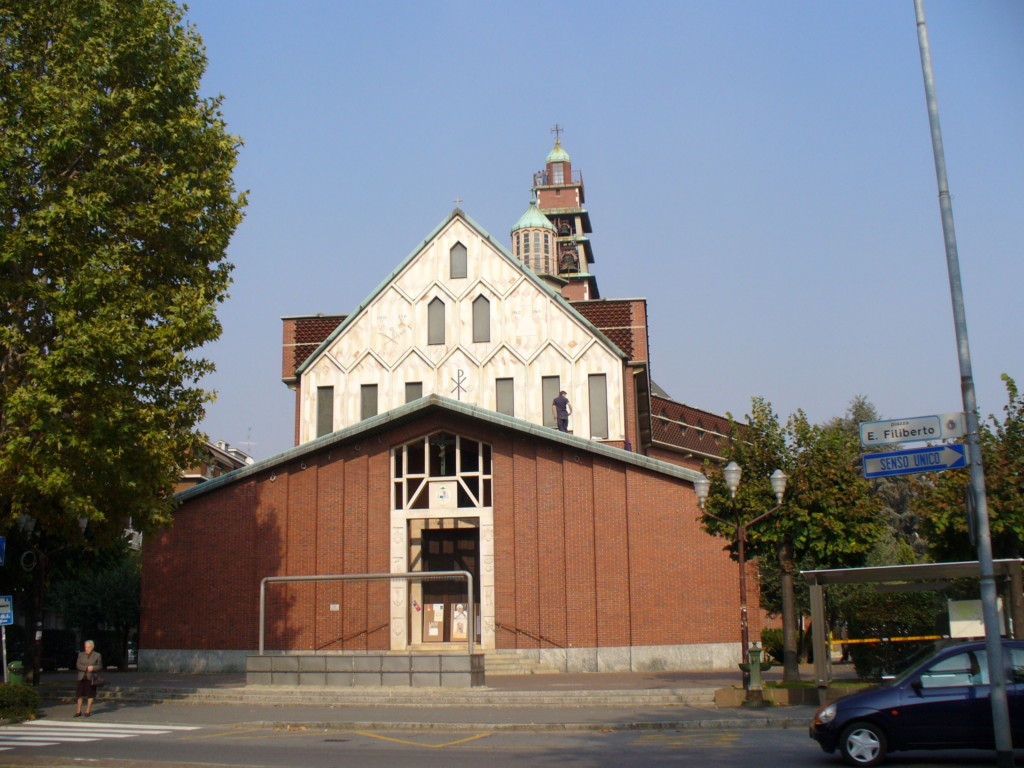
[
  {"x": 116, "y": 208},
  {"x": 829, "y": 512},
  {"x": 940, "y": 500}
]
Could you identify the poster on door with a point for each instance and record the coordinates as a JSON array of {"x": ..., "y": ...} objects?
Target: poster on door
[
  {"x": 460, "y": 622},
  {"x": 433, "y": 623}
]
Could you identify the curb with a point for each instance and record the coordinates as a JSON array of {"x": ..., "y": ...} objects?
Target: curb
[{"x": 656, "y": 725}]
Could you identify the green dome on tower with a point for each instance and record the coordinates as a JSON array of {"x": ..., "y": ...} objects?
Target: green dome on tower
[
  {"x": 558, "y": 154},
  {"x": 533, "y": 219}
]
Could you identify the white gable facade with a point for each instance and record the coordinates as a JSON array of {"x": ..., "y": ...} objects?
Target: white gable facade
[{"x": 479, "y": 328}]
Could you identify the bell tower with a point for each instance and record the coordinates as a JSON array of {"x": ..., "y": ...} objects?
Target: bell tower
[{"x": 559, "y": 193}]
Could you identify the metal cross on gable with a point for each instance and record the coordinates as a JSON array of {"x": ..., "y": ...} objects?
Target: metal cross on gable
[
  {"x": 458, "y": 202},
  {"x": 460, "y": 384}
]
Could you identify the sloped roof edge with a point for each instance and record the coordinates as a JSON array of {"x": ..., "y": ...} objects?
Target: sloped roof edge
[
  {"x": 424, "y": 405},
  {"x": 502, "y": 250}
]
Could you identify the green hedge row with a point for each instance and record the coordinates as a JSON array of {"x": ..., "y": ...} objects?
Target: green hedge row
[{"x": 18, "y": 701}]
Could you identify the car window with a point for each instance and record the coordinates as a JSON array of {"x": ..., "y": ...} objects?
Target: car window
[
  {"x": 967, "y": 668},
  {"x": 1016, "y": 665}
]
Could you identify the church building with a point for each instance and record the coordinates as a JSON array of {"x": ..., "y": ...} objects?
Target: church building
[{"x": 426, "y": 440}]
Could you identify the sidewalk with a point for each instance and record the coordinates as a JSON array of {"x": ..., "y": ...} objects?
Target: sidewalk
[{"x": 590, "y": 701}]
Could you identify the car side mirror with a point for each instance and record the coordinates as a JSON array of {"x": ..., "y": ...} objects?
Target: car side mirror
[{"x": 917, "y": 686}]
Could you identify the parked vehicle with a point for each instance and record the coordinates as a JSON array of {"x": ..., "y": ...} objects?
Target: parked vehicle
[{"x": 940, "y": 701}]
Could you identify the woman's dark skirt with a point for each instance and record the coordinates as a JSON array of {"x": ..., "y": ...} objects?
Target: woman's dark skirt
[{"x": 85, "y": 689}]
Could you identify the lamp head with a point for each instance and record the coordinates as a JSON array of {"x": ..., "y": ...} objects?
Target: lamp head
[
  {"x": 732, "y": 473},
  {"x": 701, "y": 486},
  {"x": 778, "y": 480}
]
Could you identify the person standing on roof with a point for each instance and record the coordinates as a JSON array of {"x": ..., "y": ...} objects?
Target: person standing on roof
[{"x": 561, "y": 409}]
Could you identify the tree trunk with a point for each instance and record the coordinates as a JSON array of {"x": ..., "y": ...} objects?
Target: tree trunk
[
  {"x": 36, "y": 624},
  {"x": 790, "y": 656}
]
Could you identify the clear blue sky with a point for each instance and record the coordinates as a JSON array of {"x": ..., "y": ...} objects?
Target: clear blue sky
[{"x": 761, "y": 172}]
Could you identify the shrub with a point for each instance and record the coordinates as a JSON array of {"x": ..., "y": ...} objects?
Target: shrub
[
  {"x": 18, "y": 701},
  {"x": 771, "y": 641}
]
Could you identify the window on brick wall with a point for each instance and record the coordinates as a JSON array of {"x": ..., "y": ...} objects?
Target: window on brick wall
[
  {"x": 435, "y": 322},
  {"x": 442, "y": 455},
  {"x": 367, "y": 401},
  {"x": 457, "y": 267},
  {"x": 324, "y": 410},
  {"x": 481, "y": 319}
]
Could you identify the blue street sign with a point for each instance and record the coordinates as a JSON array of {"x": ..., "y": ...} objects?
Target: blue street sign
[
  {"x": 934, "y": 458},
  {"x": 6, "y": 610}
]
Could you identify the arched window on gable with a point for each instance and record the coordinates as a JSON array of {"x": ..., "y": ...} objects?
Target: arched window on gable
[
  {"x": 435, "y": 322},
  {"x": 481, "y": 319},
  {"x": 457, "y": 265}
]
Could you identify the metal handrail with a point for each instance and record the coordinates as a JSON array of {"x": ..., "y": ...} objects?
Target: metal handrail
[{"x": 421, "y": 575}]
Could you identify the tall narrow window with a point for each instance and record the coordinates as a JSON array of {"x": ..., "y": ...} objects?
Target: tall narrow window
[
  {"x": 557, "y": 173},
  {"x": 549, "y": 388},
  {"x": 324, "y": 410},
  {"x": 457, "y": 267},
  {"x": 367, "y": 401},
  {"x": 526, "y": 246},
  {"x": 435, "y": 322},
  {"x": 505, "y": 395},
  {"x": 413, "y": 390},
  {"x": 598, "y": 405},
  {"x": 481, "y": 319}
]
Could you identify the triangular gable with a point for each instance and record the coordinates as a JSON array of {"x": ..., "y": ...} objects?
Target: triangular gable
[{"x": 499, "y": 250}]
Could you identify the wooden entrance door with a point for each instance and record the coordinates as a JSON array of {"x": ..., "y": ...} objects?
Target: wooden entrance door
[{"x": 450, "y": 549}]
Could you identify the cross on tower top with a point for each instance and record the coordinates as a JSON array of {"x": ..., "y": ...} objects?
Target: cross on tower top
[{"x": 557, "y": 130}]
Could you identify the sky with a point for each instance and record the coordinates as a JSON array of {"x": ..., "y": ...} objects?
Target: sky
[{"x": 761, "y": 172}]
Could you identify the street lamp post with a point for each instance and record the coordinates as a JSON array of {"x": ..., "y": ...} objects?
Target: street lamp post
[{"x": 732, "y": 474}]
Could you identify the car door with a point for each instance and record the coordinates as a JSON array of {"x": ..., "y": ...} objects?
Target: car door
[
  {"x": 1015, "y": 693},
  {"x": 947, "y": 703}
]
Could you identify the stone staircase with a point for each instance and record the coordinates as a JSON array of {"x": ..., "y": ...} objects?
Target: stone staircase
[{"x": 508, "y": 662}]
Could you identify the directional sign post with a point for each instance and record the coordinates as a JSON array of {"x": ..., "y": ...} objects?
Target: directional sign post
[{"x": 934, "y": 458}]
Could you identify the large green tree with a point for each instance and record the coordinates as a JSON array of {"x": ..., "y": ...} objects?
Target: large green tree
[
  {"x": 940, "y": 499},
  {"x": 116, "y": 207},
  {"x": 829, "y": 516}
]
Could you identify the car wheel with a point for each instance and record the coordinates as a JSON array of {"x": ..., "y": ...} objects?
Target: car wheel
[{"x": 863, "y": 744}]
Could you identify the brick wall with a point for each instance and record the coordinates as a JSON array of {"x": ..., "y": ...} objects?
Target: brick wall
[{"x": 589, "y": 551}]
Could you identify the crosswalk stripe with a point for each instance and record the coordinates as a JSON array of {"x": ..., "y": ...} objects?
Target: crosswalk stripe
[{"x": 49, "y": 733}]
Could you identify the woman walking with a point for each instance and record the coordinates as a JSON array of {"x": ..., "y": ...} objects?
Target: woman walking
[{"x": 89, "y": 663}]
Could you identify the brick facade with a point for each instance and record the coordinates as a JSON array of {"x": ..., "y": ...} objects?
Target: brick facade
[{"x": 589, "y": 551}]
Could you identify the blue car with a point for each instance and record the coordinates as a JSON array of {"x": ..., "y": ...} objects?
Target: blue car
[{"x": 940, "y": 701}]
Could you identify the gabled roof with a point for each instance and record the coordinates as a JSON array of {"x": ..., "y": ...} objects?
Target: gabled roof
[
  {"x": 502, "y": 253},
  {"x": 425, "y": 406}
]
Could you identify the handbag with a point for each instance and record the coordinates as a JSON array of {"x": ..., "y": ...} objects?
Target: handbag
[{"x": 98, "y": 681}]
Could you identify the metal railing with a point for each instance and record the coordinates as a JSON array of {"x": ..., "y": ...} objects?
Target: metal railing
[{"x": 406, "y": 577}]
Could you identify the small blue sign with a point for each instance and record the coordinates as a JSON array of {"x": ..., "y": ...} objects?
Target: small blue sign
[
  {"x": 6, "y": 610},
  {"x": 3, "y": 549},
  {"x": 934, "y": 458}
]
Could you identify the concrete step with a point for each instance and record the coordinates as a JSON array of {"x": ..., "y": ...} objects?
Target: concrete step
[
  {"x": 434, "y": 697},
  {"x": 516, "y": 663}
]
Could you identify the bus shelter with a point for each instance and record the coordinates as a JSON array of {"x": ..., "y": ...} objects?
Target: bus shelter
[{"x": 919, "y": 576}]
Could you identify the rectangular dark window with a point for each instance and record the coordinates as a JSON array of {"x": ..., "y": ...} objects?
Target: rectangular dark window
[
  {"x": 367, "y": 401},
  {"x": 413, "y": 390},
  {"x": 324, "y": 410},
  {"x": 505, "y": 396},
  {"x": 598, "y": 384},
  {"x": 549, "y": 388}
]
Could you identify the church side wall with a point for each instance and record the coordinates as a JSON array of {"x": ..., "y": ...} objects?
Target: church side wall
[{"x": 589, "y": 553}]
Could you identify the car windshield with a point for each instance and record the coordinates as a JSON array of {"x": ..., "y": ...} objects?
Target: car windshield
[{"x": 914, "y": 660}]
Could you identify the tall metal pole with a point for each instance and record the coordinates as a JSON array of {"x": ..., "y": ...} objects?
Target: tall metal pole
[{"x": 989, "y": 595}]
